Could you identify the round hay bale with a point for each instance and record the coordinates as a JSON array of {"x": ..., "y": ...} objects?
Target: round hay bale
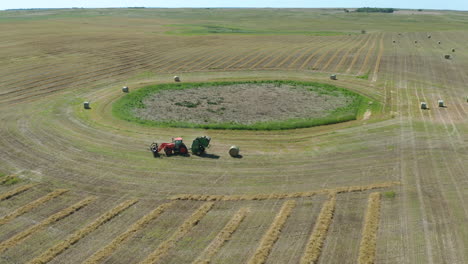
[
  {"x": 447, "y": 56},
  {"x": 453, "y": 50},
  {"x": 125, "y": 89},
  {"x": 439, "y": 42},
  {"x": 234, "y": 151},
  {"x": 423, "y": 105},
  {"x": 441, "y": 103},
  {"x": 176, "y": 78},
  {"x": 415, "y": 41},
  {"x": 333, "y": 77},
  {"x": 86, "y": 105}
]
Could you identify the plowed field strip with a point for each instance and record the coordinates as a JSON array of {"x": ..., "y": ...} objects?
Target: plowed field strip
[
  {"x": 358, "y": 54},
  {"x": 317, "y": 51},
  {"x": 350, "y": 51},
  {"x": 30, "y": 206},
  {"x": 379, "y": 58},
  {"x": 200, "y": 58},
  {"x": 122, "y": 238},
  {"x": 304, "y": 54},
  {"x": 366, "y": 59},
  {"x": 367, "y": 247},
  {"x": 75, "y": 237},
  {"x": 167, "y": 245},
  {"x": 271, "y": 55},
  {"x": 239, "y": 59},
  {"x": 61, "y": 75},
  {"x": 268, "y": 240},
  {"x": 319, "y": 234},
  {"x": 9, "y": 194},
  {"x": 201, "y": 197},
  {"x": 14, "y": 240},
  {"x": 222, "y": 237},
  {"x": 339, "y": 45},
  {"x": 337, "y": 52}
]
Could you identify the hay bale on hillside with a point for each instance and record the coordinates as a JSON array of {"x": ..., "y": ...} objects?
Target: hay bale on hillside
[
  {"x": 447, "y": 56},
  {"x": 428, "y": 36},
  {"x": 125, "y": 89},
  {"x": 176, "y": 78},
  {"x": 333, "y": 77},
  {"x": 86, "y": 105},
  {"x": 453, "y": 50},
  {"x": 439, "y": 42},
  {"x": 424, "y": 105}
]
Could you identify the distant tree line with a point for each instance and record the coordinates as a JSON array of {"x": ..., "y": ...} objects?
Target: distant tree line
[{"x": 375, "y": 10}]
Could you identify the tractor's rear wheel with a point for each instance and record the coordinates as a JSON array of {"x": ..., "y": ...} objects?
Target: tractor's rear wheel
[{"x": 183, "y": 150}]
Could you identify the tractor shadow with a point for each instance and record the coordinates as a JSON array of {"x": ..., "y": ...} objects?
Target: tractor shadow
[{"x": 209, "y": 156}]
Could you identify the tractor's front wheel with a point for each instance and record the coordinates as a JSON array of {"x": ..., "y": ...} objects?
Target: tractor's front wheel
[{"x": 168, "y": 151}]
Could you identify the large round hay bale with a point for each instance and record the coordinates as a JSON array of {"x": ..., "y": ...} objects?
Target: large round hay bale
[
  {"x": 447, "y": 56},
  {"x": 333, "y": 77},
  {"x": 234, "y": 151},
  {"x": 86, "y": 105},
  {"x": 176, "y": 78},
  {"x": 125, "y": 89}
]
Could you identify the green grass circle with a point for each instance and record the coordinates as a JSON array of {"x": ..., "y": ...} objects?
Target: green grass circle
[{"x": 124, "y": 107}]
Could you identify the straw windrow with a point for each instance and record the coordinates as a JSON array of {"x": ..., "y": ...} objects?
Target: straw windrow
[{"x": 268, "y": 240}]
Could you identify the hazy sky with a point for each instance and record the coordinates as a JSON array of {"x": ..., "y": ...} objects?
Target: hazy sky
[{"x": 414, "y": 4}]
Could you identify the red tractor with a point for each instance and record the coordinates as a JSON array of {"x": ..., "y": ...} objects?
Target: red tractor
[{"x": 176, "y": 147}]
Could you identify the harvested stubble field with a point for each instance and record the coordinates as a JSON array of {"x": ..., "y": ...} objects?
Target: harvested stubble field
[{"x": 388, "y": 188}]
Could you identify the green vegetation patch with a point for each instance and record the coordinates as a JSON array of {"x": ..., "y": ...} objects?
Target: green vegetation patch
[
  {"x": 211, "y": 105},
  {"x": 8, "y": 179}
]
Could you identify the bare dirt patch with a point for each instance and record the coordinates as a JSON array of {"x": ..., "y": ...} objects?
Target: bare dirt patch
[{"x": 240, "y": 103}]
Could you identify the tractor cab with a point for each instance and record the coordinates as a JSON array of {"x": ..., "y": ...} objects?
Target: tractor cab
[{"x": 179, "y": 146}]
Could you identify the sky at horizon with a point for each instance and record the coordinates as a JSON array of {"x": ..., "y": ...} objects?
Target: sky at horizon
[{"x": 415, "y": 4}]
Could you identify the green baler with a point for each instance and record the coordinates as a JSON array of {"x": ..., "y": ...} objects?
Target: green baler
[{"x": 200, "y": 144}]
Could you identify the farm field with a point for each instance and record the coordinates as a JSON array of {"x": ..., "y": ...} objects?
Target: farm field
[{"x": 81, "y": 186}]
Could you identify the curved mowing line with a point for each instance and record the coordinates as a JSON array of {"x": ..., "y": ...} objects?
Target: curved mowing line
[
  {"x": 167, "y": 245},
  {"x": 369, "y": 233},
  {"x": 319, "y": 234},
  {"x": 30, "y": 206},
  {"x": 122, "y": 238},
  {"x": 222, "y": 237},
  {"x": 345, "y": 189},
  {"x": 52, "y": 252},
  {"x": 273, "y": 233},
  {"x": 16, "y": 191},
  {"x": 48, "y": 221}
]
